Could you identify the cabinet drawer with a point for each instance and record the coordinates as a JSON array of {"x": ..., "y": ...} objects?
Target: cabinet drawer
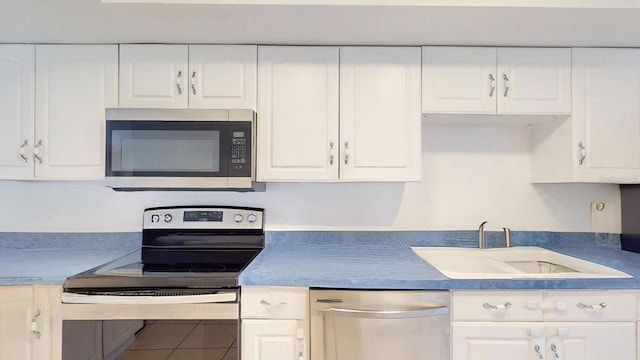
[
  {"x": 497, "y": 306},
  {"x": 600, "y": 305},
  {"x": 274, "y": 302}
]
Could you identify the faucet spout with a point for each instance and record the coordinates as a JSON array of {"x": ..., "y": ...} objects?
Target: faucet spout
[{"x": 481, "y": 244}]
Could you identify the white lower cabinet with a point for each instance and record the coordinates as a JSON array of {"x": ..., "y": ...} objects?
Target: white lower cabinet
[
  {"x": 26, "y": 322},
  {"x": 574, "y": 325},
  {"x": 275, "y": 323},
  {"x": 521, "y": 340}
]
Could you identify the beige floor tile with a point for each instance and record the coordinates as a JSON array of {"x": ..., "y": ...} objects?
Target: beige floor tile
[
  {"x": 144, "y": 355},
  {"x": 198, "y": 354},
  {"x": 161, "y": 335},
  {"x": 210, "y": 337}
]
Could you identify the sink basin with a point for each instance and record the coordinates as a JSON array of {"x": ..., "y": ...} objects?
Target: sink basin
[{"x": 520, "y": 262}]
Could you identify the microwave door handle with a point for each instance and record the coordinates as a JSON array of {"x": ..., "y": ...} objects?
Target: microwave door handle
[{"x": 388, "y": 314}]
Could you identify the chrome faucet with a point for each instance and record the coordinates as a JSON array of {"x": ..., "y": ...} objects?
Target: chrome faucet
[
  {"x": 507, "y": 236},
  {"x": 481, "y": 244}
]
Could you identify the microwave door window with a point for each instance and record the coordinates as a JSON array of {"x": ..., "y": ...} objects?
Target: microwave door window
[{"x": 166, "y": 152}]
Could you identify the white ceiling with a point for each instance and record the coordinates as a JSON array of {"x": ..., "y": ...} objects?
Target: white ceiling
[{"x": 91, "y": 21}]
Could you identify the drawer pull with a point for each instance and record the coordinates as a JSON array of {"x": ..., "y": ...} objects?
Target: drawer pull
[
  {"x": 504, "y": 306},
  {"x": 592, "y": 307},
  {"x": 266, "y": 303}
]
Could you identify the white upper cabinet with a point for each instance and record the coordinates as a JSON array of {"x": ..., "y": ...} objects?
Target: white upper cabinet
[
  {"x": 154, "y": 76},
  {"x": 297, "y": 113},
  {"x": 533, "y": 81},
  {"x": 380, "y": 113},
  {"x": 17, "y": 115},
  {"x": 607, "y": 114},
  {"x": 74, "y": 85},
  {"x": 601, "y": 141},
  {"x": 188, "y": 76},
  {"x": 222, "y": 76},
  {"x": 329, "y": 114}
]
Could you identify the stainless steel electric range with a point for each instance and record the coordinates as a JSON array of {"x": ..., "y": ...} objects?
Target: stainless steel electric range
[
  {"x": 185, "y": 251},
  {"x": 185, "y": 274}
]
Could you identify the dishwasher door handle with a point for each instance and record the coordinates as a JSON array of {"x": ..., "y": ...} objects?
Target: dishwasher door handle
[{"x": 388, "y": 314}]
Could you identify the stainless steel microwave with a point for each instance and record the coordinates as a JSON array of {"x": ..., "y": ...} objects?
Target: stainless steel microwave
[{"x": 172, "y": 149}]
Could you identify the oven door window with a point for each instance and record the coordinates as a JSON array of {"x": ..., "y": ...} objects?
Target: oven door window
[{"x": 167, "y": 148}]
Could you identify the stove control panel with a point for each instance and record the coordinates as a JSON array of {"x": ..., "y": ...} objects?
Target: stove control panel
[{"x": 203, "y": 218}]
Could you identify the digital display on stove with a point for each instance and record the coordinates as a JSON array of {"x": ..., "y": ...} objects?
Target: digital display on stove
[{"x": 202, "y": 216}]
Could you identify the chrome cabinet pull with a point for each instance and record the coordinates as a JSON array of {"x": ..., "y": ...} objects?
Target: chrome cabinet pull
[
  {"x": 506, "y": 84},
  {"x": 492, "y": 85},
  {"x": 388, "y": 314},
  {"x": 592, "y": 307},
  {"x": 538, "y": 351},
  {"x": 583, "y": 153},
  {"x": 193, "y": 83},
  {"x": 266, "y": 303},
  {"x": 331, "y": 154},
  {"x": 346, "y": 153},
  {"x": 554, "y": 349},
  {"x": 22, "y": 151},
  {"x": 179, "y": 82},
  {"x": 504, "y": 306},
  {"x": 34, "y": 325},
  {"x": 36, "y": 152}
]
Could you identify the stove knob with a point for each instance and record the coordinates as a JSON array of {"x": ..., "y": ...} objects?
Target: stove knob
[
  {"x": 155, "y": 218},
  {"x": 251, "y": 218},
  {"x": 168, "y": 218},
  {"x": 238, "y": 218}
]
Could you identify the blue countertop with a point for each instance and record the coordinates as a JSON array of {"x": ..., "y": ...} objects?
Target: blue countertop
[{"x": 363, "y": 260}]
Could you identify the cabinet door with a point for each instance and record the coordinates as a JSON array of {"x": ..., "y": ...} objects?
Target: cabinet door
[
  {"x": 154, "y": 76},
  {"x": 459, "y": 80},
  {"x": 380, "y": 119},
  {"x": 534, "y": 81},
  {"x": 487, "y": 341},
  {"x": 75, "y": 83},
  {"x": 606, "y": 115},
  {"x": 16, "y": 313},
  {"x": 271, "y": 340},
  {"x": 16, "y": 117},
  {"x": 592, "y": 341},
  {"x": 222, "y": 76},
  {"x": 297, "y": 113}
]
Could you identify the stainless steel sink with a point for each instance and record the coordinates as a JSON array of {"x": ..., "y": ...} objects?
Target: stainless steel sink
[{"x": 520, "y": 262}]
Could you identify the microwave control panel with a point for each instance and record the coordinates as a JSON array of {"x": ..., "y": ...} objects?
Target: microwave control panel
[{"x": 240, "y": 154}]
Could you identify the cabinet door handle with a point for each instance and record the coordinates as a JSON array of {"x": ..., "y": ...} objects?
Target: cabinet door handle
[
  {"x": 36, "y": 152},
  {"x": 179, "y": 82},
  {"x": 264, "y": 302},
  {"x": 554, "y": 349},
  {"x": 34, "y": 325},
  {"x": 22, "y": 151},
  {"x": 346, "y": 153},
  {"x": 592, "y": 307},
  {"x": 538, "y": 351},
  {"x": 193, "y": 83},
  {"x": 331, "y": 153},
  {"x": 504, "y": 306},
  {"x": 506, "y": 84},
  {"x": 492, "y": 85},
  {"x": 582, "y": 151}
]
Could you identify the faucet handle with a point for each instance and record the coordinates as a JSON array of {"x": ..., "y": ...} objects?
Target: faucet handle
[{"x": 507, "y": 236}]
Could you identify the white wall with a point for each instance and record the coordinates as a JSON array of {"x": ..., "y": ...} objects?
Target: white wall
[{"x": 470, "y": 174}]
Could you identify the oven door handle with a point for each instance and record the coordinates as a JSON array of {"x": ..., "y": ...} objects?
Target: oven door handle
[
  {"x": 74, "y": 298},
  {"x": 388, "y": 314}
]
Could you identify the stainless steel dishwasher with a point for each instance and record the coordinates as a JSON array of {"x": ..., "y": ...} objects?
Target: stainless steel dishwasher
[{"x": 379, "y": 325}]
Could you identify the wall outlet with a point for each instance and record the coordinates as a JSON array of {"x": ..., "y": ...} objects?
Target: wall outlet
[{"x": 600, "y": 219}]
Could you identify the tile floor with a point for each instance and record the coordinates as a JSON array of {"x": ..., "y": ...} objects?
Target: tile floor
[{"x": 185, "y": 340}]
